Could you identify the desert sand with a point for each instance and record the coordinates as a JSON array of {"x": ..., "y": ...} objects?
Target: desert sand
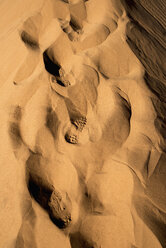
[{"x": 82, "y": 110}]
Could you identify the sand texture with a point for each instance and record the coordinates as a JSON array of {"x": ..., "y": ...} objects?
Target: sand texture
[{"x": 83, "y": 124}]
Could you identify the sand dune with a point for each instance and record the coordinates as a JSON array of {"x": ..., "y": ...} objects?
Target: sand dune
[{"x": 82, "y": 124}]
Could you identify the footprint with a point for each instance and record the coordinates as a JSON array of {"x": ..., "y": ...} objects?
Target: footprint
[
  {"x": 80, "y": 123},
  {"x": 72, "y": 138},
  {"x": 63, "y": 78},
  {"x": 78, "y": 132},
  {"x": 60, "y": 207},
  {"x": 61, "y": 82},
  {"x": 68, "y": 29}
]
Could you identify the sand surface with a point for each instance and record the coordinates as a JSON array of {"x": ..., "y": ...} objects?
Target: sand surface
[{"x": 82, "y": 110}]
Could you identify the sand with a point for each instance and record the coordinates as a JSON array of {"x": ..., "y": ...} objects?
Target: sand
[{"x": 82, "y": 109}]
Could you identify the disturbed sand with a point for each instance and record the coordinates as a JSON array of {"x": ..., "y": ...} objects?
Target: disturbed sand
[{"x": 82, "y": 108}]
